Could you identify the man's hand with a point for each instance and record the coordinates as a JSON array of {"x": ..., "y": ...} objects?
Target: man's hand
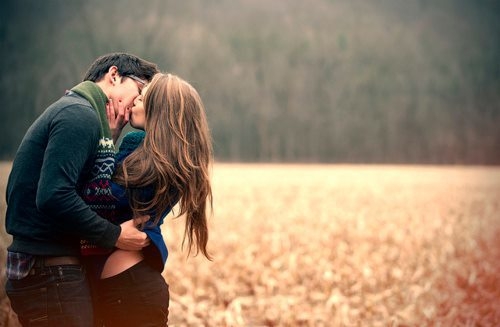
[
  {"x": 117, "y": 118},
  {"x": 130, "y": 237}
]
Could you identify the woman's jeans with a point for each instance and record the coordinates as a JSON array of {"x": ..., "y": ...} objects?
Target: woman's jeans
[
  {"x": 137, "y": 297},
  {"x": 52, "y": 296}
]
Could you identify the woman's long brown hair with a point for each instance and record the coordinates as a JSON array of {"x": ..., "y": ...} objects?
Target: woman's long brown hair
[{"x": 174, "y": 158}]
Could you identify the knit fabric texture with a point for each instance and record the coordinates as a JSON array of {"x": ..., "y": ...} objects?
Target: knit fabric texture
[{"x": 96, "y": 192}]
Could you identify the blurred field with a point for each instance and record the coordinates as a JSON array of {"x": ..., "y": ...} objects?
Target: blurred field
[
  {"x": 341, "y": 245},
  {"x": 7, "y": 317}
]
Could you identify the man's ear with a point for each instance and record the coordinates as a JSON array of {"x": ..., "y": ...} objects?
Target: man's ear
[{"x": 113, "y": 74}]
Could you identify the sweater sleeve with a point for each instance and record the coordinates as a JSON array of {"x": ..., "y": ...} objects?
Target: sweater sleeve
[
  {"x": 73, "y": 138},
  {"x": 99, "y": 191}
]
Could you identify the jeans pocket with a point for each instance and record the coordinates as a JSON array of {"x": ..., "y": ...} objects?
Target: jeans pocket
[
  {"x": 58, "y": 297},
  {"x": 30, "y": 305},
  {"x": 73, "y": 292},
  {"x": 70, "y": 273}
]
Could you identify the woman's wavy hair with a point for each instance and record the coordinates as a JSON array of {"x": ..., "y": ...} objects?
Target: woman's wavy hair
[{"x": 175, "y": 158}]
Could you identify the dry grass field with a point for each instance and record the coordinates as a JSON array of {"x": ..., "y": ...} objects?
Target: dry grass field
[{"x": 342, "y": 245}]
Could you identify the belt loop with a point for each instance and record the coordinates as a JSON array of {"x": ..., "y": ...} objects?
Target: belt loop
[
  {"x": 42, "y": 262},
  {"x": 39, "y": 262}
]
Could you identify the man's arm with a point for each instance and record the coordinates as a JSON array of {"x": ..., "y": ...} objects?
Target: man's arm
[{"x": 73, "y": 139}]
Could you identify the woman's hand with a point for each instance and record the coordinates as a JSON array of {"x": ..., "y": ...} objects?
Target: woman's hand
[{"x": 117, "y": 119}]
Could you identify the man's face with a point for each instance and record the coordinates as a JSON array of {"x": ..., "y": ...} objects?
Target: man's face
[{"x": 126, "y": 91}]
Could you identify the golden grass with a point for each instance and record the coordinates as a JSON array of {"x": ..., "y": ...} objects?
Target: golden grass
[
  {"x": 344, "y": 246},
  {"x": 341, "y": 245},
  {"x": 7, "y": 316},
  {"x": 4, "y": 238}
]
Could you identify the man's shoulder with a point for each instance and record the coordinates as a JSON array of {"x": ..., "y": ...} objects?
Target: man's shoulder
[
  {"x": 71, "y": 99},
  {"x": 75, "y": 106}
]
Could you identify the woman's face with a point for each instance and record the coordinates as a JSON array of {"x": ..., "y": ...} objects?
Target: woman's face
[{"x": 137, "y": 112}]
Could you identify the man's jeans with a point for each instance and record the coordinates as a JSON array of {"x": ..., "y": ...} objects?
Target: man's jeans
[{"x": 52, "y": 296}]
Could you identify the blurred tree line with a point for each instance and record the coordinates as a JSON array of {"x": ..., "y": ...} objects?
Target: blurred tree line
[{"x": 386, "y": 81}]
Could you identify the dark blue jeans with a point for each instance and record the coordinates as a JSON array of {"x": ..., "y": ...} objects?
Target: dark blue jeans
[
  {"x": 137, "y": 297},
  {"x": 52, "y": 296}
]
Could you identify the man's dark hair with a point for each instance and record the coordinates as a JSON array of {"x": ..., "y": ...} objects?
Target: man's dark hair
[{"x": 127, "y": 64}]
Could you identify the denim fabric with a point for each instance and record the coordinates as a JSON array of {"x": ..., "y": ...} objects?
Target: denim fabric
[
  {"x": 93, "y": 266},
  {"x": 52, "y": 296},
  {"x": 137, "y": 297}
]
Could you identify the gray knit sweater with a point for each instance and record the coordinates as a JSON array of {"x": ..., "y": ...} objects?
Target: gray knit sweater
[{"x": 45, "y": 215}]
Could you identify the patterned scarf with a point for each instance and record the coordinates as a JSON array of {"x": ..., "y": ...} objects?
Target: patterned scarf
[{"x": 96, "y": 192}]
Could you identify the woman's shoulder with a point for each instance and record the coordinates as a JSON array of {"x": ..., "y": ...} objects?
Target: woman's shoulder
[
  {"x": 132, "y": 140},
  {"x": 129, "y": 143}
]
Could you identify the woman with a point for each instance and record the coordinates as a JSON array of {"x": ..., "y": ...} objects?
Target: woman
[{"x": 156, "y": 169}]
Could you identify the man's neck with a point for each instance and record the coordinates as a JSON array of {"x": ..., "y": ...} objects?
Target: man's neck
[{"x": 104, "y": 87}]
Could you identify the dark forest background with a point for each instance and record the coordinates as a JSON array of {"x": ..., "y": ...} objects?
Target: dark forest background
[{"x": 350, "y": 81}]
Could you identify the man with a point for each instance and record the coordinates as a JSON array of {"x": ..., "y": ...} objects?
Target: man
[{"x": 46, "y": 216}]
